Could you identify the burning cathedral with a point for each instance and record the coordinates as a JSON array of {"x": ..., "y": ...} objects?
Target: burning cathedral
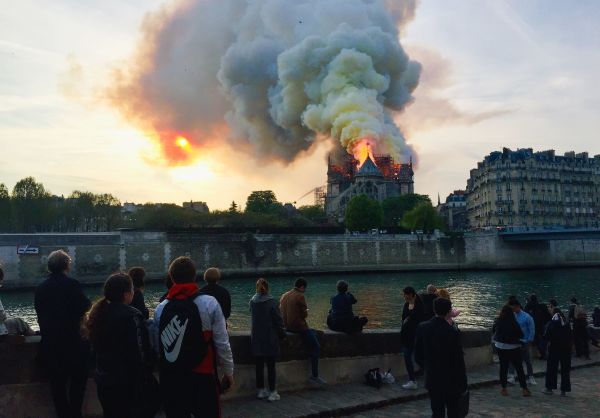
[{"x": 379, "y": 177}]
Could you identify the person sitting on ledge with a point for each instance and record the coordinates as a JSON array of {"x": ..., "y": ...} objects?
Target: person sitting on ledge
[
  {"x": 12, "y": 326},
  {"x": 137, "y": 275},
  {"x": 212, "y": 288},
  {"x": 341, "y": 318}
]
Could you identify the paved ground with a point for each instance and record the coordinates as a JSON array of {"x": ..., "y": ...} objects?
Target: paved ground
[
  {"x": 345, "y": 400},
  {"x": 583, "y": 401}
]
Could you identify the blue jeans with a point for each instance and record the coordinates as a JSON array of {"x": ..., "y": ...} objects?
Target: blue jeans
[
  {"x": 314, "y": 349},
  {"x": 408, "y": 351}
]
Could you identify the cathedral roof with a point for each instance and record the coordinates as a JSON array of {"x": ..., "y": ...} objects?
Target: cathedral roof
[{"x": 368, "y": 169}]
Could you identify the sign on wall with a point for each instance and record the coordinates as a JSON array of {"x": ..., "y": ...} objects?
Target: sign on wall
[{"x": 27, "y": 250}]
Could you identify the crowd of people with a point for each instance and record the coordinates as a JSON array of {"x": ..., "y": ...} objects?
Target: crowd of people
[{"x": 187, "y": 338}]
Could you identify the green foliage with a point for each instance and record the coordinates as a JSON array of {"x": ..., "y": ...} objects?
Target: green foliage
[
  {"x": 394, "y": 208},
  {"x": 314, "y": 213},
  {"x": 423, "y": 217},
  {"x": 167, "y": 216},
  {"x": 32, "y": 206},
  {"x": 234, "y": 207},
  {"x": 264, "y": 202},
  {"x": 363, "y": 213},
  {"x": 5, "y": 209}
]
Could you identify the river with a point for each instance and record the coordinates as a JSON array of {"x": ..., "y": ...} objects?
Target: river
[{"x": 477, "y": 294}]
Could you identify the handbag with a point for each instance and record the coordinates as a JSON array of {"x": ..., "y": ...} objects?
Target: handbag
[{"x": 463, "y": 404}]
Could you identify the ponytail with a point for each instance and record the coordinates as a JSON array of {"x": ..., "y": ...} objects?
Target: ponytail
[{"x": 93, "y": 323}]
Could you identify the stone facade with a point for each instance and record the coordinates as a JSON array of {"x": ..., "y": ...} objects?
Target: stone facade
[
  {"x": 454, "y": 210},
  {"x": 526, "y": 189}
]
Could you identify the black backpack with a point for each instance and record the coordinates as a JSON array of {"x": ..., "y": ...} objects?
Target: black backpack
[
  {"x": 373, "y": 378},
  {"x": 180, "y": 337}
]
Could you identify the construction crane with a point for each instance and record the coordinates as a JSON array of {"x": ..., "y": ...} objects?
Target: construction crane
[{"x": 319, "y": 194}]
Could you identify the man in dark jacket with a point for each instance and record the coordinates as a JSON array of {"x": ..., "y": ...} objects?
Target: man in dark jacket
[
  {"x": 60, "y": 305},
  {"x": 438, "y": 349},
  {"x": 212, "y": 288},
  {"x": 341, "y": 317}
]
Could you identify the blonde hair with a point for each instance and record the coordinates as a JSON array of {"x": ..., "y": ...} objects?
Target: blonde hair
[
  {"x": 262, "y": 286},
  {"x": 443, "y": 293},
  {"x": 212, "y": 275}
]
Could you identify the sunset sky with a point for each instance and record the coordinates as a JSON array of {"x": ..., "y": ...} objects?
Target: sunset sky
[{"x": 495, "y": 73}]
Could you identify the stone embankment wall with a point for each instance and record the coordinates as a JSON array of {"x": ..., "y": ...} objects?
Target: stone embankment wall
[
  {"x": 97, "y": 255},
  {"x": 24, "y": 391}
]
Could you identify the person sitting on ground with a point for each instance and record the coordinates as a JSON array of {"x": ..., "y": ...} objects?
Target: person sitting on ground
[
  {"x": 60, "y": 305},
  {"x": 137, "y": 275},
  {"x": 507, "y": 339},
  {"x": 341, "y": 317},
  {"x": 12, "y": 326},
  {"x": 294, "y": 312},
  {"x": 193, "y": 339},
  {"x": 438, "y": 348},
  {"x": 267, "y": 329},
  {"x": 427, "y": 299},
  {"x": 125, "y": 384},
  {"x": 212, "y": 288},
  {"x": 443, "y": 293},
  {"x": 560, "y": 339},
  {"x": 412, "y": 316}
]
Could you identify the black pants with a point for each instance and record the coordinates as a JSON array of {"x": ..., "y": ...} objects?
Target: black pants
[
  {"x": 260, "y": 372},
  {"x": 190, "y": 394},
  {"x": 351, "y": 325},
  {"x": 581, "y": 338},
  {"x": 68, "y": 379},
  {"x": 442, "y": 403},
  {"x": 515, "y": 358},
  {"x": 556, "y": 357},
  {"x": 118, "y": 401}
]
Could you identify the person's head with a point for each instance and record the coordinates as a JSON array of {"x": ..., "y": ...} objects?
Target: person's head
[
  {"x": 515, "y": 305},
  {"x": 506, "y": 312},
  {"x": 511, "y": 297},
  {"x": 574, "y": 300},
  {"x": 431, "y": 289},
  {"x": 182, "y": 270},
  {"x": 342, "y": 286},
  {"x": 442, "y": 307},
  {"x": 443, "y": 293},
  {"x": 409, "y": 294},
  {"x": 137, "y": 274},
  {"x": 553, "y": 302},
  {"x": 533, "y": 298},
  {"x": 262, "y": 286},
  {"x": 212, "y": 275},
  {"x": 300, "y": 284},
  {"x": 59, "y": 262}
]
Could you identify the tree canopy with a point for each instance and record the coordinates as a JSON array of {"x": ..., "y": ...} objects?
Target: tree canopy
[
  {"x": 394, "y": 208},
  {"x": 264, "y": 202},
  {"x": 363, "y": 213},
  {"x": 423, "y": 217}
]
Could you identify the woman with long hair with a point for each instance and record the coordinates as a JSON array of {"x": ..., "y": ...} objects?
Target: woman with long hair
[
  {"x": 507, "y": 339},
  {"x": 267, "y": 329},
  {"x": 123, "y": 357}
]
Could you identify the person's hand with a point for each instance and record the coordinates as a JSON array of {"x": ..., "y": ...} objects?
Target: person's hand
[{"x": 228, "y": 381}]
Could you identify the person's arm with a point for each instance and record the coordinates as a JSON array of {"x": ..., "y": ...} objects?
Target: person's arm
[
  {"x": 530, "y": 329},
  {"x": 226, "y": 304},
  {"x": 221, "y": 340},
  {"x": 277, "y": 320},
  {"x": 352, "y": 298},
  {"x": 302, "y": 307}
]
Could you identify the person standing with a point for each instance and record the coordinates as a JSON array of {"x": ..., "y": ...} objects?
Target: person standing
[
  {"x": 267, "y": 329},
  {"x": 541, "y": 316},
  {"x": 341, "y": 317},
  {"x": 212, "y": 276},
  {"x": 578, "y": 317},
  {"x": 559, "y": 337},
  {"x": 60, "y": 305},
  {"x": 527, "y": 326},
  {"x": 138, "y": 274},
  {"x": 192, "y": 340},
  {"x": 412, "y": 316},
  {"x": 438, "y": 348},
  {"x": 125, "y": 384},
  {"x": 507, "y": 339},
  {"x": 427, "y": 299},
  {"x": 294, "y": 312}
]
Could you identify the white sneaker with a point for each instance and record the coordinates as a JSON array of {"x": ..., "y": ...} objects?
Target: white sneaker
[
  {"x": 511, "y": 380},
  {"x": 262, "y": 393},
  {"x": 531, "y": 381},
  {"x": 410, "y": 385},
  {"x": 274, "y": 396}
]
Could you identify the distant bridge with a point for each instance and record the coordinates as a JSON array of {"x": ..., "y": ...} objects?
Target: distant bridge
[{"x": 542, "y": 234}]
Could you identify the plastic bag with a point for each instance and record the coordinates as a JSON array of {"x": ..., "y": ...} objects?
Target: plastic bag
[{"x": 388, "y": 377}]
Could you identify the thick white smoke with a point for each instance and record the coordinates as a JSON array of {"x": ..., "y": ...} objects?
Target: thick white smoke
[{"x": 280, "y": 73}]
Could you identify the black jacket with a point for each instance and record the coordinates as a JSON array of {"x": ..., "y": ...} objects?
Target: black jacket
[
  {"x": 507, "y": 331},
  {"x": 427, "y": 299},
  {"x": 221, "y": 295},
  {"x": 559, "y": 337},
  {"x": 60, "y": 305},
  {"x": 410, "y": 321},
  {"x": 139, "y": 303},
  {"x": 123, "y": 354},
  {"x": 438, "y": 350},
  {"x": 540, "y": 314},
  {"x": 267, "y": 326}
]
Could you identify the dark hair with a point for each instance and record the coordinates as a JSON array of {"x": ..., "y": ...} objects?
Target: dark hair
[
  {"x": 506, "y": 313},
  {"x": 553, "y": 302},
  {"x": 137, "y": 275},
  {"x": 182, "y": 270},
  {"x": 115, "y": 288},
  {"x": 301, "y": 282},
  {"x": 511, "y": 298},
  {"x": 441, "y": 306},
  {"x": 1, "y": 274},
  {"x": 262, "y": 286},
  {"x": 342, "y": 286},
  {"x": 533, "y": 298},
  {"x": 514, "y": 302},
  {"x": 574, "y": 300},
  {"x": 58, "y": 261},
  {"x": 409, "y": 290}
]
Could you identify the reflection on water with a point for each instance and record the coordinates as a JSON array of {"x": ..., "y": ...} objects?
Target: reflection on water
[{"x": 478, "y": 295}]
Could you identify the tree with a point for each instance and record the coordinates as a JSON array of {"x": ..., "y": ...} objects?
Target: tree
[
  {"x": 263, "y": 201},
  {"x": 423, "y": 217},
  {"x": 108, "y": 212},
  {"x": 394, "y": 208},
  {"x": 233, "y": 208},
  {"x": 32, "y": 206},
  {"x": 363, "y": 213},
  {"x": 5, "y": 209},
  {"x": 314, "y": 213}
]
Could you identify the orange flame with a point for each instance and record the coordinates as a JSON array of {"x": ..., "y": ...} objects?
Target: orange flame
[{"x": 362, "y": 150}]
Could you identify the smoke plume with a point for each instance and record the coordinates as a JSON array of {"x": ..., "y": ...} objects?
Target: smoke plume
[{"x": 278, "y": 74}]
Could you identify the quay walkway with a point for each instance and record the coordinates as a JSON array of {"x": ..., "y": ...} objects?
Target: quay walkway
[{"x": 359, "y": 400}]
